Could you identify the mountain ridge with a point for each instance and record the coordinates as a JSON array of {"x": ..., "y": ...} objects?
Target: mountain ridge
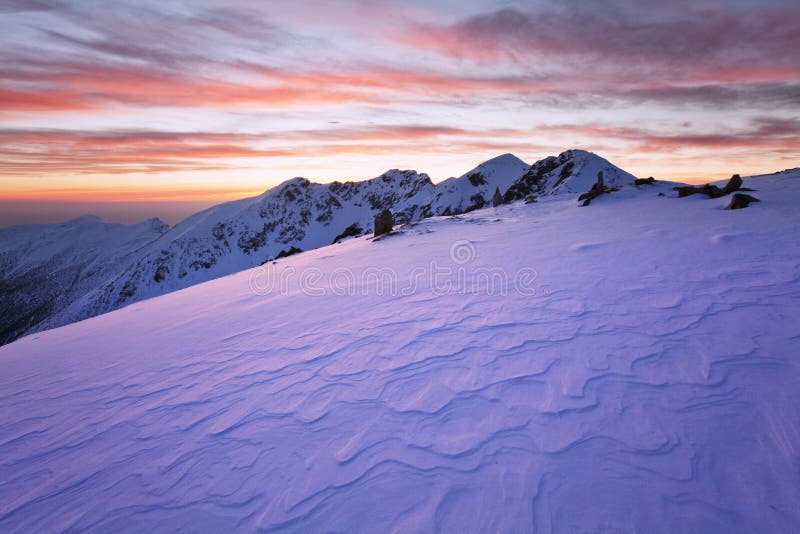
[{"x": 296, "y": 214}]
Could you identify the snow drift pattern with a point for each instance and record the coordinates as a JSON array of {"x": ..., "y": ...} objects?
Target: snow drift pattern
[{"x": 652, "y": 388}]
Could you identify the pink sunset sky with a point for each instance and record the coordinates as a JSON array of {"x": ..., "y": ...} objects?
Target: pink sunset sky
[{"x": 140, "y": 108}]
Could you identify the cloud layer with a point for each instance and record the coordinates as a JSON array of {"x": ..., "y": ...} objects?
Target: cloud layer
[{"x": 159, "y": 87}]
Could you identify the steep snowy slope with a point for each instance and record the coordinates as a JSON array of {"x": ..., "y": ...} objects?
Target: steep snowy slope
[
  {"x": 238, "y": 235},
  {"x": 573, "y": 171},
  {"x": 49, "y": 268},
  {"x": 630, "y": 366}
]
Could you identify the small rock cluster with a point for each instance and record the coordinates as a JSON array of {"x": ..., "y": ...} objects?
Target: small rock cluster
[
  {"x": 599, "y": 188},
  {"x": 739, "y": 200},
  {"x": 712, "y": 191}
]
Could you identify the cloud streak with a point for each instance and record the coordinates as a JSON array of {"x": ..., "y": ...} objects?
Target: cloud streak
[{"x": 153, "y": 87}]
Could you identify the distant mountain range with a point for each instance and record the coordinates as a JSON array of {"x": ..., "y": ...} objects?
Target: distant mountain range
[{"x": 56, "y": 274}]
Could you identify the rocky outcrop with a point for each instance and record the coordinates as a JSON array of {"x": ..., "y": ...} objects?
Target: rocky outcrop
[
  {"x": 497, "y": 199},
  {"x": 353, "y": 230},
  {"x": 286, "y": 253},
  {"x": 384, "y": 222}
]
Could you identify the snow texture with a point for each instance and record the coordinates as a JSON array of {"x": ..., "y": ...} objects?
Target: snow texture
[{"x": 649, "y": 384}]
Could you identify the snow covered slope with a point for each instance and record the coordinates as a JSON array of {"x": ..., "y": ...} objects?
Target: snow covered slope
[
  {"x": 630, "y": 366},
  {"x": 49, "y": 269},
  {"x": 224, "y": 239}
]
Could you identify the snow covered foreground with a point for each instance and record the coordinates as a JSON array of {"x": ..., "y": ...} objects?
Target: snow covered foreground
[{"x": 629, "y": 366}]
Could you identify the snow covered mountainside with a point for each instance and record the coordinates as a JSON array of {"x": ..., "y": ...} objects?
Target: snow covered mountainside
[
  {"x": 630, "y": 366},
  {"x": 296, "y": 215},
  {"x": 50, "y": 270}
]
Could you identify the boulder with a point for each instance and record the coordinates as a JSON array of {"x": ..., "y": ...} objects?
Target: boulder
[
  {"x": 383, "y": 223},
  {"x": 497, "y": 199},
  {"x": 733, "y": 184},
  {"x": 740, "y": 200},
  {"x": 643, "y": 181},
  {"x": 709, "y": 190}
]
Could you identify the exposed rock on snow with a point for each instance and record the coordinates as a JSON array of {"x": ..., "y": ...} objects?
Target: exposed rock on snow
[
  {"x": 354, "y": 230},
  {"x": 497, "y": 199},
  {"x": 741, "y": 200},
  {"x": 734, "y": 184},
  {"x": 384, "y": 222},
  {"x": 710, "y": 190},
  {"x": 599, "y": 188}
]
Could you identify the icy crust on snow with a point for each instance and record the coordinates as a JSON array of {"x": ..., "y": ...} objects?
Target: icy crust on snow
[{"x": 650, "y": 384}]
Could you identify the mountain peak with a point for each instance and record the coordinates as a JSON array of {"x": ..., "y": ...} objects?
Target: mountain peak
[
  {"x": 572, "y": 171},
  {"x": 85, "y": 219},
  {"x": 507, "y": 158}
]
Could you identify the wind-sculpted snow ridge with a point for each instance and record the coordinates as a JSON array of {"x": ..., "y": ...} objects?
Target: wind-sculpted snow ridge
[{"x": 641, "y": 375}]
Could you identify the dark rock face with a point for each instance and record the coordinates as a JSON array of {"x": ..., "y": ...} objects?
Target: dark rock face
[
  {"x": 497, "y": 199},
  {"x": 383, "y": 223},
  {"x": 286, "y": 253},
  {"x": 476, "y": 202},
  {"x": 353, "y": 230},
  {"x": 645, "y": 181},
  {"x": 532, "y": 183},
  {"x": 477, "y": 179},
  {"x": 740, "y": 201}
]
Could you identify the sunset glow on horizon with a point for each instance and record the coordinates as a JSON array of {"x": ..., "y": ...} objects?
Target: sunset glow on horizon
[{"x": 207, "y": 101}]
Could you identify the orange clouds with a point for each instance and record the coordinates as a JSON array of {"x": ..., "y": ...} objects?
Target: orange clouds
[
  {"x": 33, "y": 152},
  {"x": 36, "y": 152},
  {"x": 84, "y": 86}
]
